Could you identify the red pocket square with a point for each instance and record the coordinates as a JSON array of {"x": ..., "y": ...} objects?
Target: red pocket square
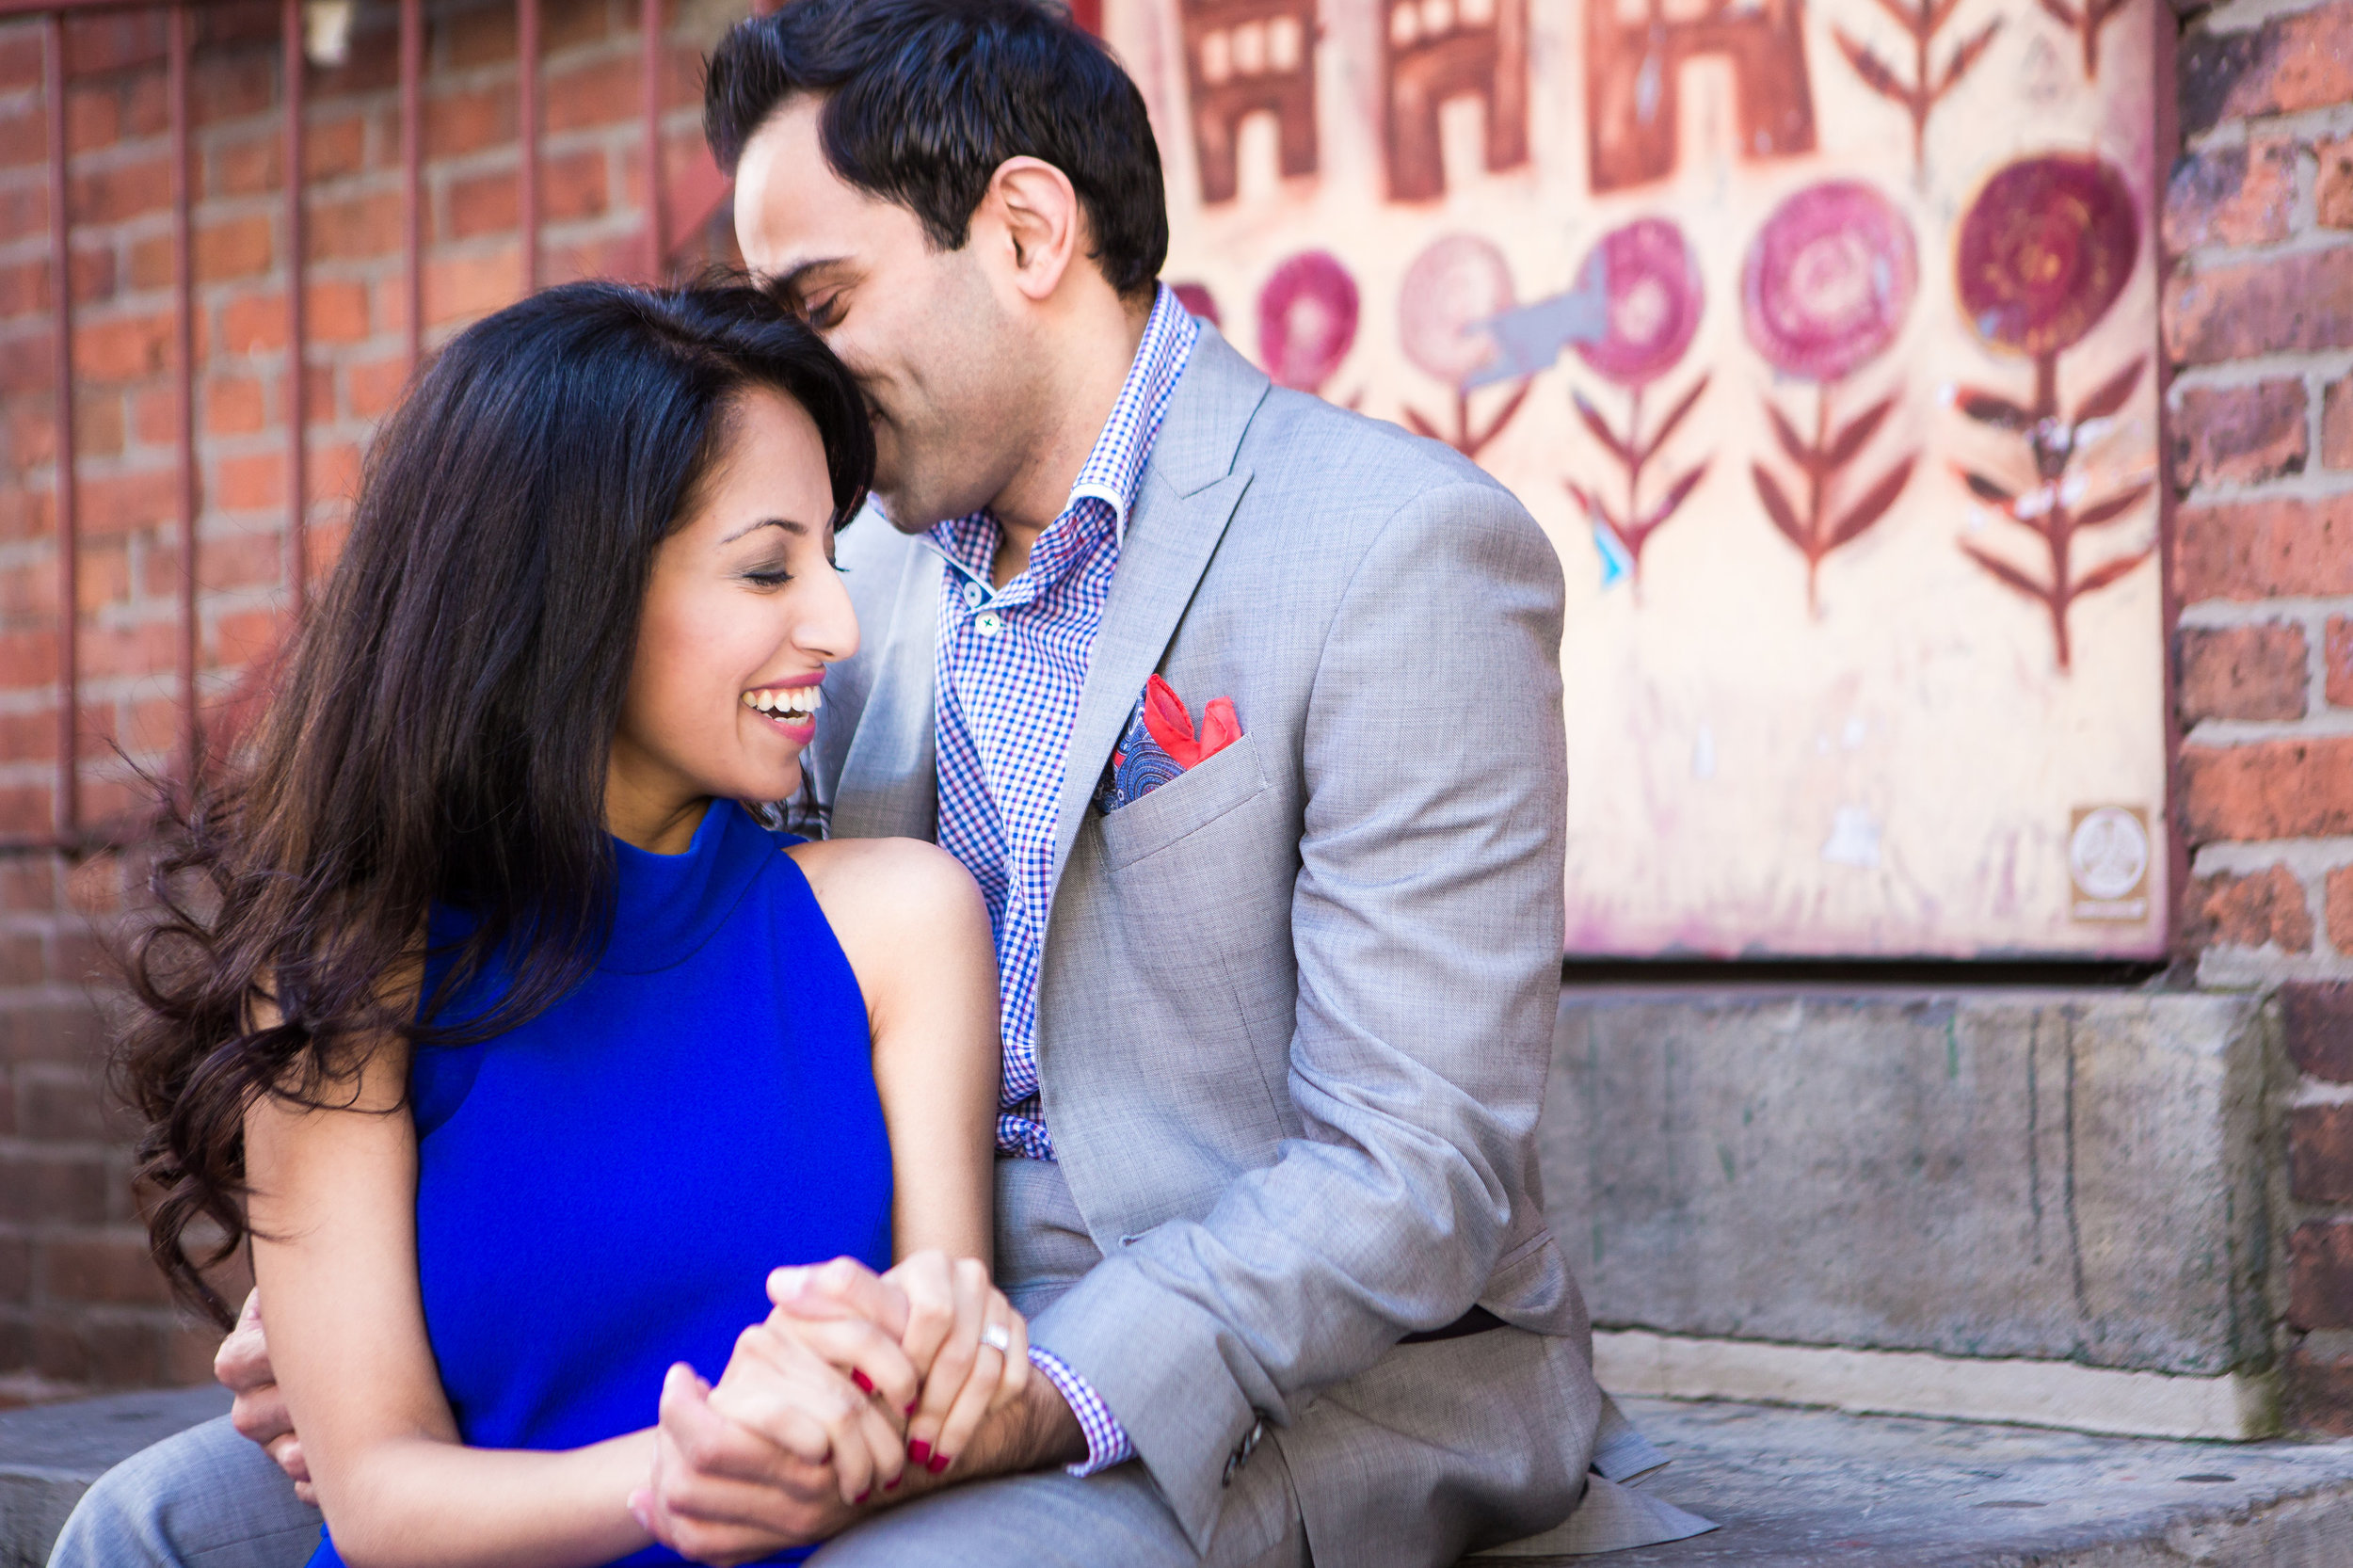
[{"x": 1164, "y": 715}]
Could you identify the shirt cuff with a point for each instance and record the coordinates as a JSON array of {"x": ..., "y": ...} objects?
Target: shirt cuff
[{"x": 1107, "y": 1440}]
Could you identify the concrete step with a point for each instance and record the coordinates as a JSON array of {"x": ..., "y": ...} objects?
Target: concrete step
[
  {"x": 1821, "y": 1488},
  {"x": 1790, "y": 1488},
  {"x": 49, "y": 1455}
]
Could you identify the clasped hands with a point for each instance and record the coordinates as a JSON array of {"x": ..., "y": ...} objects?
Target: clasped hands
[{"x": 856, "y": 1383}]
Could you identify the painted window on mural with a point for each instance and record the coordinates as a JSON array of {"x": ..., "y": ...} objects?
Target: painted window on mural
[{"x": 1819, "y": 334}]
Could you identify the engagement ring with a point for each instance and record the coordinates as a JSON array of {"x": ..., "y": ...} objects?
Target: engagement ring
[{"x": 996, "y": 1338}]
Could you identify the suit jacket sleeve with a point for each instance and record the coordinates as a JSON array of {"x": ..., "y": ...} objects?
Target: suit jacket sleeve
[{"x": 1427, "y": 923}]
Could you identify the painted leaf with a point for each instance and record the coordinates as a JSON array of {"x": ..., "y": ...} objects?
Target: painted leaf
[
  {"x": 2063, "y": 12},
  {"x": 1848, "y": 443},
  {"x": 1941, "y": 14},
  {"x": 1600, "y": 428},
  {"x": 1874, "y": 71},
  {"x": 2006, "y": 575},
  {"x": 1495, "y": 426},
  {"x": 1676, "y": 494},
  {"x": 1675, "y": 417},
  {"x": 2100, "y": 577},
  {"x": 1799, "y": 452},
  {"x": 1595, "y": 511},
  {"x": 1993, "y": 408},
  {"x": 2113, "y": 393},
  {"x": 1986, "y": 490},
  {"x": 1777, "y": 505},
  {"x": 2114, "y": 506},
  {"x": 1902, "y": 15},
  {"x": 1967, "y": 56},
  {"x": 1874, "y": 503},
  {"x": 1422, "y": 426}
]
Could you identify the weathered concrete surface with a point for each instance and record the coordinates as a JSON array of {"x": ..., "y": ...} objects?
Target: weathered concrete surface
[
  {"x": 2056, "y": 1174},
  {"x": 1817, "y": 1489},
  {"x": 50, "y": 1454}
]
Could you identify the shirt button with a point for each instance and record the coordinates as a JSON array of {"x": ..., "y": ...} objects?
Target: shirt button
[
  {"x": 973, "y": 593},
  {"x": 989, "y": 624}
]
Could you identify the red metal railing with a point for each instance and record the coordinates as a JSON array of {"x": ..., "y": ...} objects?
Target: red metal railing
[{"x": 67, "y": 832}]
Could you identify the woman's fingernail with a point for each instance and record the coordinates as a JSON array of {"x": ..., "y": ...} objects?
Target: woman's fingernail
[
  {"x": 919, "y": 1451},
  {"x": 939, "y": 1463},
  {"x": 865, "y": 1384},
  {"x": 862, "y": 1496},
  {"x": 911, "y": 1404},
  {"x": 892, "y": 1484}
]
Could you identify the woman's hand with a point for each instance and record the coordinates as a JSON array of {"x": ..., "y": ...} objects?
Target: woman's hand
[
  {"x": 955, "y": 1335},
  {"x": 783, "y": 1383},
  {"x": 973, "y": 1347}
]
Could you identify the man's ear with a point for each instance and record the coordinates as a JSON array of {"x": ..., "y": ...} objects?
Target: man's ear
[{"x": 1043, "y": 222}]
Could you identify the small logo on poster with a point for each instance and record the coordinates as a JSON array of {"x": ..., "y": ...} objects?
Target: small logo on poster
[{"x": 2108, "y": 859}]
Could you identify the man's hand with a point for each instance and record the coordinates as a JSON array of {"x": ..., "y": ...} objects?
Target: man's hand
[
  {"x": 723, "y": 1492},
  {"x": 259, "y": 1412}
]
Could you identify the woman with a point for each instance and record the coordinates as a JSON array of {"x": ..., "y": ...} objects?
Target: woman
[{"x": 512, "y": 1041}]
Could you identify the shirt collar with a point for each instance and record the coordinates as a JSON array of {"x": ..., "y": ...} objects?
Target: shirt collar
[{"x": 1116, "y": 466}]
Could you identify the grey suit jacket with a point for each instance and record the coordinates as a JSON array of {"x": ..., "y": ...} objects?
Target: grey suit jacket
[{"x": 1296, "y": 1006}]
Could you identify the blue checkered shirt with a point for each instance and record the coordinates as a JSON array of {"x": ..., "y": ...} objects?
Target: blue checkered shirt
[{"x": 1011, "y": 662}]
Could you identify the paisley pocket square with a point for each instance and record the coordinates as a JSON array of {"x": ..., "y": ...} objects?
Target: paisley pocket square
[{"x": 1161, "y": 743}]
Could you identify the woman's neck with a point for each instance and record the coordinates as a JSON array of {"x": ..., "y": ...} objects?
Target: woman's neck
[{"x": 659, "y": 823}]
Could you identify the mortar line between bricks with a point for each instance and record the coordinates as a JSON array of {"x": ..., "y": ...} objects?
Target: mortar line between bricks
[
  {"x": 2319, "y": 1091},
  {"x": 2309, "y": 857},
  {"x": 2255, "y": 612}
]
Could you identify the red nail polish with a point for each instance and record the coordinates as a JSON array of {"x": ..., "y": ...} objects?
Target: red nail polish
[
  {"x": 892, "y": 1484},
  {"x": 919, "y": 1451},
  {"x": 939, "y": 1463},
  {"x": 863, "y": 1496},
  {"x": 865, "y": 1385},
  {"x": 911, "y": 1403}
]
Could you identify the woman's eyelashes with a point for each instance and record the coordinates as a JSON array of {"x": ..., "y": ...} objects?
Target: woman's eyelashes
[{"x": 767, "y": 576}]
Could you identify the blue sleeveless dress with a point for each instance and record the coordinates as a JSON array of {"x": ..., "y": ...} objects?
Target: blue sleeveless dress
[{"x": 602, "y": 1192}]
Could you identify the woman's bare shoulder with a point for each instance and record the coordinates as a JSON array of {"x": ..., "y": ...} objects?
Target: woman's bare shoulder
[{"x": 892, "y": 888}]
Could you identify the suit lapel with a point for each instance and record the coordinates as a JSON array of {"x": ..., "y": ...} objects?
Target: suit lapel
[
  {"x": 1186, "y": 498},
  {"x": 890, "y": 785}
]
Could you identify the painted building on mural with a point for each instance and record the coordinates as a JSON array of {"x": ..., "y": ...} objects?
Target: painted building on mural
[{"x": 1822, "y": 339}]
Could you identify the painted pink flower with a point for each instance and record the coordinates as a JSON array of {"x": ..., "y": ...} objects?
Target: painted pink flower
[
  {"x": 1198, "y": 301},
  {"x": 2044, "y": 251},
  {"x": 1453, "y": 286},
  {"x": 1828, "y": 281},
  {"x": 1653, "y": 281},
  {"x": 1306, "y": 320}
]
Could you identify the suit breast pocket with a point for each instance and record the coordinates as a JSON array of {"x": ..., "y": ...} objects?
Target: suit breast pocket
[{"x": 1185, "y": 805}]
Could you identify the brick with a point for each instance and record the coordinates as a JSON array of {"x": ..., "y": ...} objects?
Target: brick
[
  {"x": 20, "y": 960},
  {"x": 249, "y": 483},
  {"x": 114, "y": 1270},
  {"x": 335, "y": 312},
  {"x": 458, "y": 123},
  {"x": 16, "y": 1270},
  {"x": 2239, "y": 435},
  {"x": 224, "y": 87},
  {"x": 2240, "y": 672},
  {"x": 2336, "y": 424},
  {"x": 112, "y": 40},
  {"x": 2301, "y": 61},
  {"x": 2269, "y": 789},
  {"x": 372, "y": 388},
  {"x": 253, "y": 325},
  {"x": 333, "y": 148},
  {"x": 2320, "y": 1274},
  {"x": 233, "y": 405},
  {"x": 123, "y": 349},
  {"x": 481, "y": 204},
  {"x": 115, "y": 504},
  {"x": 356, "y": 226},
  {"x": 2297, "y": 303},
  {"x": 603, "y": 92},
  {"x": 2241, "y": 195},
  {"x": 118, "y": 191},
  {"x": 238, "y": 248},
  {"x": 28, "y": 881},
  {"x": 2318, "y": 1392},
  {"x": 2332, "y": 185},
  {"x": 104, "y": 1352},
  {"x": 95, "y": 885},
  {"x": 52, "y": 1189},
  {"x": 2320, "y": 1154},
  {"x": 463, "y": 287},
  {"x": 2337, "y": 906},
  {"x": 2336, "y": 661},
  {"x": 2283, "y": 548},
  {"x": 245, "y": 167}
]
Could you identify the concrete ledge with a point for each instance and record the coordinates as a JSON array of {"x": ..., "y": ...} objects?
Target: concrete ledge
[
  {"x": 1818, "y": 1488},
  {"x": 2230, "y": 1408},
  {"x": 50, "y": 1454}
]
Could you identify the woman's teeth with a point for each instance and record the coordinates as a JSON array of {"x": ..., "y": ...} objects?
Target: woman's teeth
[{"x": 787, "y": 703}]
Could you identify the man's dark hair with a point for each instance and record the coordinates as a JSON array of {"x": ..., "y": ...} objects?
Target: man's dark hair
[{"x": 923, "y": 100}]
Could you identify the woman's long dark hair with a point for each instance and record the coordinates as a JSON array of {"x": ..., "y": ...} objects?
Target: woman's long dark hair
[{"x": 441, "y": 726}]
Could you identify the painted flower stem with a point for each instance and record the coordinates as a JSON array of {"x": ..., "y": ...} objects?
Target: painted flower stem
[
  {"x": 2053, "y": 441},
  {"x": 1465, "y": 439},
  {"x": 2087, "y": 24},
  {"x": 1633, "y": 452},
  {"x": 1928, "y": 88},
  {"x": 1816, "y": 532}
]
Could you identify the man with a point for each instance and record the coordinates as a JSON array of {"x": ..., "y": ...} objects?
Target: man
[{"x": 1245, "y": 715}]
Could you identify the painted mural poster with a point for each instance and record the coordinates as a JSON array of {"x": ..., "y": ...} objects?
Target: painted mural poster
[{"x": 1819, "y": 336}]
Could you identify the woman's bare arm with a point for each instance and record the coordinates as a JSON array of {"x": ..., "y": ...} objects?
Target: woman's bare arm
[
  {"x": 333, "y": 1212},
  {"x": 915, "y": 933}
]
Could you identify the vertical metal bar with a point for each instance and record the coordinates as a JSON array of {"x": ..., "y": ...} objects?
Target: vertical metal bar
[
  {"x": 411, "y": 168},
  {"x": 67, "y": 806},
  {"x": 527, "y": 115},
  {"x": 183, "y": 285},
  {"x": 297, "y": 508},
  {"x": 650, "y": 68}
]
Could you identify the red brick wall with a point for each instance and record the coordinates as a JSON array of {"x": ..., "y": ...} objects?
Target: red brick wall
[
  {"x": 2259, "y": 326},
  {"x": 79, "y": 1303}
]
